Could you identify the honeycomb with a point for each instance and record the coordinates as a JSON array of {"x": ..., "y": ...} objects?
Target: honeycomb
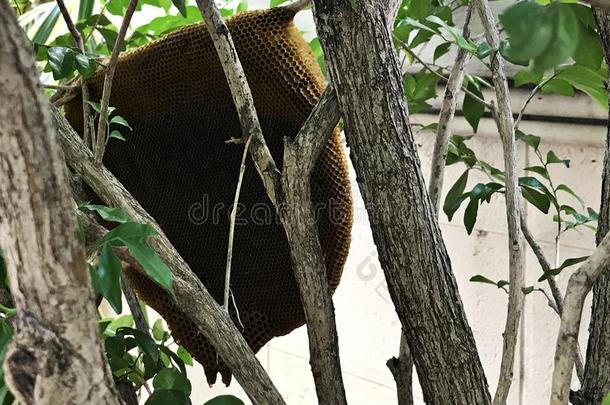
[{"x": 177, "y": 164}]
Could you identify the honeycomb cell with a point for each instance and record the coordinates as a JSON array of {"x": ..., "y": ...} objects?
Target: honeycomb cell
[{"x": 177, "y": 164}]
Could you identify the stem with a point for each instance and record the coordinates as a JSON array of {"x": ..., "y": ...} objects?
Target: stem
[
  {"x": 504, "y": 121},
  {"x": 450, "y": 100},
  {"x": 109, "y": 75}
]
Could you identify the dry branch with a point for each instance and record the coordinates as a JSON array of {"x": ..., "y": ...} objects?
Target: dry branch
[
  {"x": 191, "y": 295},
  {"x": 55, "y": 356},
  {"x": 504, "y": 121}
]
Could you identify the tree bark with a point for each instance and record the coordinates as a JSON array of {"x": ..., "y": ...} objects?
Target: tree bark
[
  {"x": 297, "y": 216},
  {"x": 580, "y": 284},
  {"x": 596, "y": 381},
  {"x": 504, "y": 121},
  {"x": 55, "y": 356},
  {"x": 364, "y": 70}
]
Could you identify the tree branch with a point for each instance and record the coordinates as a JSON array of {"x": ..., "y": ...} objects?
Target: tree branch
[
  {"x": 450, "y": 100},
  {"x": 102, "y": 125},
  {"x": 579, "y": 286},
  {"x": 290, "y": 193},
  {"x": 56, "y": 346},
  {"x": 242, "y": 97},
  {"x": 504, "y": 121},
  {"x": 78, "y": 41},
  {"x": 191, "y": 295}
]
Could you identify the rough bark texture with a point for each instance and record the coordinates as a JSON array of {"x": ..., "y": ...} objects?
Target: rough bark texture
[
  {"x": 307, "y": 257},
  {"x": 402, "y": 370},
  {"x": 445, "y": 120},
  {"x": 55, "y": 356},
  {"x": 365, "y": 73},
  {"x": 579, "y": 286},
  {"x": 191, "y": 295},
  {"x": 504, "y": 121},
  {"x": 596, "y": 381}
]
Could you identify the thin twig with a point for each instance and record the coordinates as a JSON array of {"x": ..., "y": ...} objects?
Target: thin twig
[
  {"x": 242, "y": 169},
  {"x": 78, "y": 41},
  {"x": 450, "y": 100},
  {"x": 579, "y": 286},
  {"x": 59, "y": 87},
  {"x": 504, "y": 121},
  {"x": 534, "y": 91},
  {"x": 109, "y": 75}
]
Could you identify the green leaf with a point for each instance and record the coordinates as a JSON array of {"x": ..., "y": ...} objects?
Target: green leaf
[
  {"x": 157, "y": 330},
  {"x": 106, "y": 213},
  {"x": 110, "y": 36},
  {"x": 144, "y": 341},
  {"x": 44, "y": 31},
  {"x": 566, "y": 189},
  {"x": 483, "y": 50},
  {"x": 473, "y": 109},
  {"x": 527, "y": 290},
  {"x": 172, "y": 379},
  {"x": 470, "y": 215},
  {"x": 181, "y": 6},
  {"x": 123, "y": 321},
  {"x": 117, "y": 135},
  {"x": 558, "y": 86},
  {"x": 502, "y": 283},
  {"x": 527, "y": 76},
  {"x": 152, "y": 264},
  {"x": 455, "y": 195},
  {"x": 275, "y": 3},
  {"x": 532, "y": 141},
  {"x": 456, "y": 33},
  {"x": 537, "y": 199},
  {"x": 109, "y": 278},
  {"x": 551, "y": 157},
  {"x": 166, "y": 397},
  {"x": 85, "y": 9},
  {"x": 541, "y": 170},
  {"x": 224, "y": 400},
  {"x": 481, "y": 279},
  {"x": 120, "y": 121},
  {"x": 588, "y": 81},
  {"x": 184, "y": 355},
  {"x": 441, "y": 50},
  {"x": 545, "y": 35},
  {"x": 128, "y": 232},
  {"x": 85, "y": 65},
  {"x": 62, "y": 61},
  {"x": 567, "y": 263},
  {"x": 589, "y": 50}
]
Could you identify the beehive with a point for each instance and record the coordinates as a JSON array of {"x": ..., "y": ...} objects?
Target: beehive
[{"x": 177, "y": 164}]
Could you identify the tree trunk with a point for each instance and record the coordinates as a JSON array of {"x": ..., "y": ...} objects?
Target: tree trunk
[
  {"x": 368, "y": 81},
  {"x": 596, "y": 382},
  {"x": 55, "y": 356}
]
